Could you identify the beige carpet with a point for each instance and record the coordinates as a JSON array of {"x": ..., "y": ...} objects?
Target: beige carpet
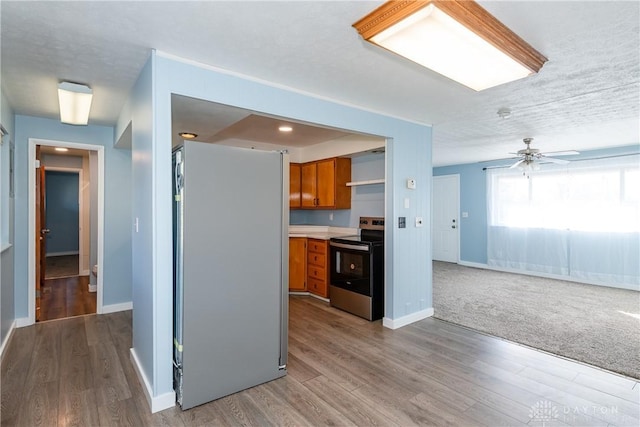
[
  {"x": 61, "y": 266},
  {"x": 593, "y": 324}
]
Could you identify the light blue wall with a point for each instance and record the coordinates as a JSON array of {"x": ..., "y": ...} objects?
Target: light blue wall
[
  {"x": 473, "y": 200},
  {"x": 7, "y": 311},
  {"x": 117, "y": 210},
  {"x": 408, "y": 277},
  {"x": 366, "y": 200},
  {"x": 62, "y": 213},
  {"x": 145, "y": 289}
]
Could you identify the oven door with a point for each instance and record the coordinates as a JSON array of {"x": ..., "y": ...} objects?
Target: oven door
[{"x": 350, "y": 265}]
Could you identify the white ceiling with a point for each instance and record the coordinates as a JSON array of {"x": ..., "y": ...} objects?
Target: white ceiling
[{"x": 586, "y": 96}]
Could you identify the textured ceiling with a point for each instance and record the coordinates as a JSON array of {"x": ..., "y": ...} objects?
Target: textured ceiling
[{"x": 586, "y": 96}]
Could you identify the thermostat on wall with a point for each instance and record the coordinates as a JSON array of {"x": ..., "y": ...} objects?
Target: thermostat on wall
[{"x": 411, "y": 183}]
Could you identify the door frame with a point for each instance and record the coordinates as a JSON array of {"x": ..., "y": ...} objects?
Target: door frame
[
  {"x": 31, "y": 265},
  {"x": 81, "y": 213},
  {"x": 434, "y": 178}
]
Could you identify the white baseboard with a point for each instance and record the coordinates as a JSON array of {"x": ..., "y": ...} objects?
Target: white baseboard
[
  {"x": 62, "y": 253},
  {"x": 113, "y": 308},
  {"x": 156, "y": 403},
  {"x": 545, "y": 275},
  {"x": 22, "y": 322},
  {"x": 309, "y": 294},
  {"x": 408, "y": 319},
  {"x": 473, "y": 264},
  {"x": 7, "y": 339}
]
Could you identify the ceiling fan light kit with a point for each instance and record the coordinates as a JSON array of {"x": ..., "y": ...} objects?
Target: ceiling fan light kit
[
  {"x": 456, "y": 38},
  {"x": 530, "y": 158}
]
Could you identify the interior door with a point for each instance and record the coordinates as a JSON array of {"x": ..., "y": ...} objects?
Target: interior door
[
  {"x": 41, "y": 231},
  {"x": 446, "y": 225}
]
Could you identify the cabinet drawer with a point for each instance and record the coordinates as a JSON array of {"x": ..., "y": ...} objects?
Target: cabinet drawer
[
  {"x": 315, "y": 258},
  {"x": 315, "y": 272},
  {"x": 317, "y": 287},
  {"x": 318, "y": 246}
]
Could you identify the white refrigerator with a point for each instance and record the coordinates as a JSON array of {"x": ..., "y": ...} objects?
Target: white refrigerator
[{"x": 230, "y": 237}]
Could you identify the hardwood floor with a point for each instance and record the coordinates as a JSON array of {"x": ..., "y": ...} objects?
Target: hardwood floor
[
  {"x": 66, "y": 297},
  {"x": 342, "y": 370}
]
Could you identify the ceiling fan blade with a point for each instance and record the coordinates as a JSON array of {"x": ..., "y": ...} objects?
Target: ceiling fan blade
[
  {"x": 561, "y": 153},
  {"x": 556, "y": 161},
  {"x": 516, "y": 164}
]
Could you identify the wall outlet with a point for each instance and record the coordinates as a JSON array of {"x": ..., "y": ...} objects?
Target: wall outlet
[{"x": 331, "y": 216}]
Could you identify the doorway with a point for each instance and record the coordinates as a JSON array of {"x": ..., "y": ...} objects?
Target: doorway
[
  {"x": 73, "y": 231},
  {"x": 446, "y": 224}
]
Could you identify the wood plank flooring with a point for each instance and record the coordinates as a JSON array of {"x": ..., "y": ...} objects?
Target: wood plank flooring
[
  {"x": 66, "y": 297},
  {"x": 342, "y": 371}
]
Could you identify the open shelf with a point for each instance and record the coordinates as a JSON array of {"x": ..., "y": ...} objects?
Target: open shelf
[{"x": 369, "y": 182}]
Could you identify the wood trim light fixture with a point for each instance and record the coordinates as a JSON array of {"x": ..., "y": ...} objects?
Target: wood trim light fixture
[
  {"x": 75, "y": 103},
  {"x": 456, "y": 38}
]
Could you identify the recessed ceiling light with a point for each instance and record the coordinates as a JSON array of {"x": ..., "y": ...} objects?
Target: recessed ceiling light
[
  {"x": 188, "y": 135},
  {"x": 285, "y": 128},
  {"x": 61, "y": 149}
]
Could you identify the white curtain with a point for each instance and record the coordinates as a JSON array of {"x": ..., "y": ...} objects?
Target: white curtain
[{"x": 581, "y": 220}]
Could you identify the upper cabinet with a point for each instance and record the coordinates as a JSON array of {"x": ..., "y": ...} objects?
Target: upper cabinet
[
  {"x": 324, "y": 184},
  {"x": 295, "y": 193}
]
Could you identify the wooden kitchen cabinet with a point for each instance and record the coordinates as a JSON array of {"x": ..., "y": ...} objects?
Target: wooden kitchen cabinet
[
  {"x": 318, "y": 267},
  {"x": 295, "y": 190},
  {"x": 324, "y": 184},
  {"x": 297, "y": 264}
]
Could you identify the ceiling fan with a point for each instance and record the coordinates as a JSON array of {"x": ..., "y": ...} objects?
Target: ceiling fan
[{"x": 531, "y": 157}]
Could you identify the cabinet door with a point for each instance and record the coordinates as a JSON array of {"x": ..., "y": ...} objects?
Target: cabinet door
[
  {"x": 295, "y": 191},
  {"x": 309, "y": 185},
  {"x": 326, "y": 183},
  {"x": 297, "y": 263}
]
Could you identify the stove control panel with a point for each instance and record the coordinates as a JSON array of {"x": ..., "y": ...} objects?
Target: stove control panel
[{"x": 371, "y": 223}]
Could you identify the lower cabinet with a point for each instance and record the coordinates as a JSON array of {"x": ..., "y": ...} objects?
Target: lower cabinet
[
  {"x": 309, "y": 266},
  {"x": 318, "y": 267},
  {"x": 297, "y": 264}
]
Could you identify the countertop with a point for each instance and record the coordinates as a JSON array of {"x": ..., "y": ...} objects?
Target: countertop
[{"x": 320, "y": 231}]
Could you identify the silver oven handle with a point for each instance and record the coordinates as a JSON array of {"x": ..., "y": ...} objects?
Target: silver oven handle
[{"x": 345, "y": 246}]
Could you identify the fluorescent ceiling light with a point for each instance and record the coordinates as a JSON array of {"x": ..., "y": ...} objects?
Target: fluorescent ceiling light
[
  {"x": 455, "y": 38},
  {"x": 75, "y": 103},
  {"x": 285, "y": 128},
  {"x": 61, "y": 149}
]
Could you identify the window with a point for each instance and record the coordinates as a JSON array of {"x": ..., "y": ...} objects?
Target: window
[{"x": 595, "y": 196}]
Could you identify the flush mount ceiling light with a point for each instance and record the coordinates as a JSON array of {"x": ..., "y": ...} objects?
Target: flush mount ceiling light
[
  {"x": 456, "y": 38},
  {"x": 61, "y": 149},
  {"x": 75, "y": 103},
  {"x": 285, "y": 128},
  {"x": 188, "y": 135}
]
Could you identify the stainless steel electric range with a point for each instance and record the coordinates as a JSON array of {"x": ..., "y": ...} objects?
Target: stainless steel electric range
[{"x": 357, "y": 270}]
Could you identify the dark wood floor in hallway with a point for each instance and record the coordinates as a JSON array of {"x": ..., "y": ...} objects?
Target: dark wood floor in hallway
[
  {"x": 66, "y": 297},
  {"x": 342, "y": 371}
]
